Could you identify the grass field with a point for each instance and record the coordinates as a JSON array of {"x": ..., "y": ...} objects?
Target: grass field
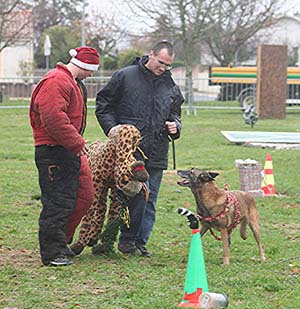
[{"x": 116, "y": 281}]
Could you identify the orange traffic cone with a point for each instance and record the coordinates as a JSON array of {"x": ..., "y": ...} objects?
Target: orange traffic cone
[{"x": 268, "y": 184}]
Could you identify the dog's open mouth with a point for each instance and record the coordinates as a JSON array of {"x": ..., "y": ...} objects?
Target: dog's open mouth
[{"x": 186, "y": 181}]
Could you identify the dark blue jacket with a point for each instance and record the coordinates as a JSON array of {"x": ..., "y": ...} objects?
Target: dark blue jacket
[{"x": 134, "y": 95}]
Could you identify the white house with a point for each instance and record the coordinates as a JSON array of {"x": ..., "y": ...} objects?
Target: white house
[
  {"x": 285, "y": 32},
  {"x": 12, "y": 57}
]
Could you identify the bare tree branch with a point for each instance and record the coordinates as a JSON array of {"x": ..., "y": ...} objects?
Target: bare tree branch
[
  {"x": 49, "y": 13},
  {"x": 104, "y": 33},
  {"x": 15, "y": 23},
  {"x": 236, "y": 22}
]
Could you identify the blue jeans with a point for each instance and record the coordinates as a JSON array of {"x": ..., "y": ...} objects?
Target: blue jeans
[{"x": 142, "y": 214}]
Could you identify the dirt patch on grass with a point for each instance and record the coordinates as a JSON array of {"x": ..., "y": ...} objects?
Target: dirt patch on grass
[
  {"x": 290, "y": 229},
  {"x": 19, "y": 258},
  {"x": 293, "y": 206},
  {"x": 170, "y": 172},
  {"x": 170, "y": 178}
]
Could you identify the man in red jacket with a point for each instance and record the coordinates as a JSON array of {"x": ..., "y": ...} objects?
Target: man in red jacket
[{"x": 57, "y": 116}]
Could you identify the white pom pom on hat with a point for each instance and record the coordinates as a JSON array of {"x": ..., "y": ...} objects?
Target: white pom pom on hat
[
  {"x": 73, "y": 52},
  {"x": 85, "y": 57}
]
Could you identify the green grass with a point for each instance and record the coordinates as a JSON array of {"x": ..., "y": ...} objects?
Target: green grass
[{"x": 158, "y": 282}]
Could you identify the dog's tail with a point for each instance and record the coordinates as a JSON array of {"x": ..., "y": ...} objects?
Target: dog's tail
[{"x": 192, "y": 218}]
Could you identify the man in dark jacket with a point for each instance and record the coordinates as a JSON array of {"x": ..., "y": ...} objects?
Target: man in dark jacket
[
  {"x": 145, "y": 95},
  {"x": 57, "y": 117}
]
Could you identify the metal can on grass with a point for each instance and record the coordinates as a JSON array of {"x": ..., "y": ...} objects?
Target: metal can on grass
[{"x": 213, "y": 300}]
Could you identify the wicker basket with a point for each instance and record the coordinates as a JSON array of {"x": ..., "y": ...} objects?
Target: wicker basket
[{"x": 250, "y": 176}]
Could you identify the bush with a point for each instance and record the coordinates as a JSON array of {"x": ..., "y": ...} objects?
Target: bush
[
  {"x": 128, "y": 56},
  {"x": 110, "y": 63}
]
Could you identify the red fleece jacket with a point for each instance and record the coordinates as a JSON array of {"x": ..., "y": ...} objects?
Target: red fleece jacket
[{"x": 57, "y": 111}]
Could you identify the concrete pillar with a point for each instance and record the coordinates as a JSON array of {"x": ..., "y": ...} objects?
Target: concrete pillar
[{"x": 271, "y": 85}]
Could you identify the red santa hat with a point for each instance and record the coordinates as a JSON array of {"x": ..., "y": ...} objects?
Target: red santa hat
[{"x": 85, "y": 57}]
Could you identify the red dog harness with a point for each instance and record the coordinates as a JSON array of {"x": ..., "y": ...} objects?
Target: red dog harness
[{"x": 237, "y": 217}]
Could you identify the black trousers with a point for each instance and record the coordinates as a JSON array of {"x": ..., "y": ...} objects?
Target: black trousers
[{"x": 58, "y": 179}]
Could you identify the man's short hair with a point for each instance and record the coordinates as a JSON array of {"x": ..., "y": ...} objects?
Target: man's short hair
[{"x": 163, "y": 45}]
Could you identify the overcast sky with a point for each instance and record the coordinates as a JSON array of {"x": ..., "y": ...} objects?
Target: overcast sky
[
  {"x": 107, "y": 6},
  {"x": 110, "y": 6},
  {"x": 119, "y": 10},
  {"x": 293, "y": 4}
]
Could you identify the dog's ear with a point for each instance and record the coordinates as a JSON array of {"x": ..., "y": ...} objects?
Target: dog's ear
[
  {"x": 213, "y": 175},
  {"x": 207, "y": 176}
]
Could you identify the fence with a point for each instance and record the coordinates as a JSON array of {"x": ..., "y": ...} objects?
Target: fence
[
  {"x": 16, "y": 88},
  {"x": 20, "y": 88}
]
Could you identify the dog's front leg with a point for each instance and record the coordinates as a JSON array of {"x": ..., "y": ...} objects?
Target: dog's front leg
[
  {"x": 204, "y": 229},
  {"x": 225, "y": 241}
]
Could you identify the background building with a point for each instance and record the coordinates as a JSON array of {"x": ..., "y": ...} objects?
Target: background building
[{"x": 17, "y": 59}]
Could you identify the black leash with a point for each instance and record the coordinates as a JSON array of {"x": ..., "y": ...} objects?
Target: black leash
[{"x": 173, "y": 154}]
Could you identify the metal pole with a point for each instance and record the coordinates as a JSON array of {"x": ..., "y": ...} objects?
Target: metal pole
[
  {"x": 83, "y": 24},
  {"x": 47, "y": 50}
]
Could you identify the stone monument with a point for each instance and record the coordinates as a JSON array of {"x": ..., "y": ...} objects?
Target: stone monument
[{"x": 271, "y": 84}]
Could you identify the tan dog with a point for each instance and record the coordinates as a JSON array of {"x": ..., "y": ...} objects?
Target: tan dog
[{"x": 221, "y": 209}]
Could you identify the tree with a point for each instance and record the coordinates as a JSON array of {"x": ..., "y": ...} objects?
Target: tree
[
  {"x": 48, "y": 13},
  {"x": 15, "y": 23},
  {"x": 104, "y": 34},
  {"x": 63, "y": 38},
  {"x": 127, "y": 57},
  {"x": 109, "y": 62},
  {"x": 235, "y": 23}
]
